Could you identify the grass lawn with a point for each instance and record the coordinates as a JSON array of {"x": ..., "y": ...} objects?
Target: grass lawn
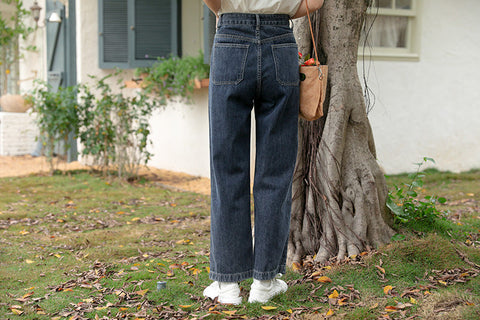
[{"x": 76, "y": 246}]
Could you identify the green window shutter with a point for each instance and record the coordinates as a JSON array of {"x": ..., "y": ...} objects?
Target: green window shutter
[
  {"x": 152, "y": 29},
  {"x": 113, "y": 27},
  {"x": 134, "y": 33}
]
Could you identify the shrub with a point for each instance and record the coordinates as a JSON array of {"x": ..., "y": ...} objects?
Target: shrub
[
  {"x": 56, "y": 117},
  {"x": 114, "y": 127},
  {"x": 405, "y": 205}
]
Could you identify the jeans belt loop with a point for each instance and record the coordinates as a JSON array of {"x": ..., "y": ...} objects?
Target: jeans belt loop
[{"x": 258, "y": 21}]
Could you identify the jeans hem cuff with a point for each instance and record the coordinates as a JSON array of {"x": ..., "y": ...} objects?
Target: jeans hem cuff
[
  {"x": 270, "y": 274},
  {"x": 232, "y": 277}
]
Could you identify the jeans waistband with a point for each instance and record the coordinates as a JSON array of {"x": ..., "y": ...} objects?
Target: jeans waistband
[{"x": 254, "y": 19}]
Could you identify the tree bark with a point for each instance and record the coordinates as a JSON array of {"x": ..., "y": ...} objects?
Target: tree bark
[{"x": 339, "y": 189}]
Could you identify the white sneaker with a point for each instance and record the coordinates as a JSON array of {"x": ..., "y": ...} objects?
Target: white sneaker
[
  {"x": 264, "y": 290},
  {"x": 227, "y": 292},
  {"x": 212, "y": 290}
]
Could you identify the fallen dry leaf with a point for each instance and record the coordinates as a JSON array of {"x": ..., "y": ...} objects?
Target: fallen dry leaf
[
  {"x": 230, "y": 312},
  {"x": 374, "y": 306},
  {"x": 382, "y": 270},
  {"x": 17, "y": 311},
  {"x": 268, "y": 308},
  {"x": 324, "y": 279},
  {"x": 391, "y": 309},
  {"x": 342, "y": 301},
  {"x": 296, "y": 266},
  {"x": 141, "y": 292},
  {"x": 387, "y": 290},
  {"x": 333, "y": 295}
]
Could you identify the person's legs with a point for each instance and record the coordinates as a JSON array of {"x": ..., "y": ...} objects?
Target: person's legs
[
  {"x": 276, "y": 114},
  {"x": 252, "y": 59},
  {"x": 231, "y": 94}
]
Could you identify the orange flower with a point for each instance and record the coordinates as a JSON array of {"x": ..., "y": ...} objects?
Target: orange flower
[{"x": 309, "y": 62}]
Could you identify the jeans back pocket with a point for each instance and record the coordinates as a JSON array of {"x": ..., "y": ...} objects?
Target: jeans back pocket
[
  {"x": 228, "y": 63},
  {"x": 285, "y": 56}
]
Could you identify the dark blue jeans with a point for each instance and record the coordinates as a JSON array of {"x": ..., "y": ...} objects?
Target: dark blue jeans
[{"x": 254, "y": 65}]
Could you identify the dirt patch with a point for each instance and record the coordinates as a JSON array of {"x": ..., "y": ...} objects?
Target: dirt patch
[
  {"x": 16, "y": 166},
  {"x": 177, "y": 180}
]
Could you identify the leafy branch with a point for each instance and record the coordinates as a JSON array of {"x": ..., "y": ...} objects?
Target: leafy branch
[{"x": 173, "y": 76}]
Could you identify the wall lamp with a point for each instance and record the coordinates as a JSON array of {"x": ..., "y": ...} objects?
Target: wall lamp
[
  {"x": 53, "y": 16},
  {"x": 35, "y": 9}
]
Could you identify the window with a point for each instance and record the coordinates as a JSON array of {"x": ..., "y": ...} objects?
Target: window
[
  {"x": 390, "y": 30},
  {"x": 134, "y": 33}
]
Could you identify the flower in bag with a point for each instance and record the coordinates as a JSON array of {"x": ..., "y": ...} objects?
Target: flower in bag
[
  {"x": 306, "y": 61},
  {"x": 309, "y": 62}
]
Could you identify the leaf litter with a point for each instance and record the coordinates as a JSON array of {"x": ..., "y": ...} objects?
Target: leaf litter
[{"x": 132, "y": 301}]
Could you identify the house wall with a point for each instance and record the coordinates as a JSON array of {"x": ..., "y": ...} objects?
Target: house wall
[
  {"x": 18, "y": 133},
  {"x": 179, "y": 132},
  {"x": 431, "y": 107},
  {"x": 428, "y": 107}
]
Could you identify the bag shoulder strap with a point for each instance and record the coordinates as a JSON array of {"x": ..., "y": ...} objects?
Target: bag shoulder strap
[
  {"x": 320, "y": 75},
  {"x": 311, "y": 30}
]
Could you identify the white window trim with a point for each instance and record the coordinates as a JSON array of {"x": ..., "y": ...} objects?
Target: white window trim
[{"x": 411, "y": 52}]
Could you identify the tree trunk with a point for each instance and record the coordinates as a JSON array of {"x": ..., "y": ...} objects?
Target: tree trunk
[{"x": 339, "y": 190}]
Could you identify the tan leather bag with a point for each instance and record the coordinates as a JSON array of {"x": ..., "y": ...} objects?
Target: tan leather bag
[{"x": 313, "y": 84}]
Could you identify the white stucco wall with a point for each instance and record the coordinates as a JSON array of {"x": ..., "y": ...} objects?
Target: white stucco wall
[
  {"x": 179, "y": 134},
  {"x": 431, "y": 107}
]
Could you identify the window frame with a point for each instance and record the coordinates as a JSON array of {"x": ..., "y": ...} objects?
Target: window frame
[
  {"x": 132, "y": 62},
  {"x": 411, "y": 52}
]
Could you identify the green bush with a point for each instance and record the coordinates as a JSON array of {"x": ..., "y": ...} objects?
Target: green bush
[
  {"x": 404, "y": 202},
  {"x": 57, "y": 115},
  {"x": 114, "y": 127},
  {"x": 174, "y": 76}
]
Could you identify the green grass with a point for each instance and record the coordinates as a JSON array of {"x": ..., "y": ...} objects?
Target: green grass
[{"x": 79, "y": 245}]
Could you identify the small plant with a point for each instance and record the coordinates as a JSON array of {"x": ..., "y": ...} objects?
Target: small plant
[
  {"x": 405, "y": 205},
  {"x": 114, "y": 128},
  {"x": 56, "y": 116},
  {"x": 174, "y": 76}
]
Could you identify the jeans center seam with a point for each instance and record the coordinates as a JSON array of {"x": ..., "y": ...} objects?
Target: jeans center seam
[{"x": 259, "y": 62}]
